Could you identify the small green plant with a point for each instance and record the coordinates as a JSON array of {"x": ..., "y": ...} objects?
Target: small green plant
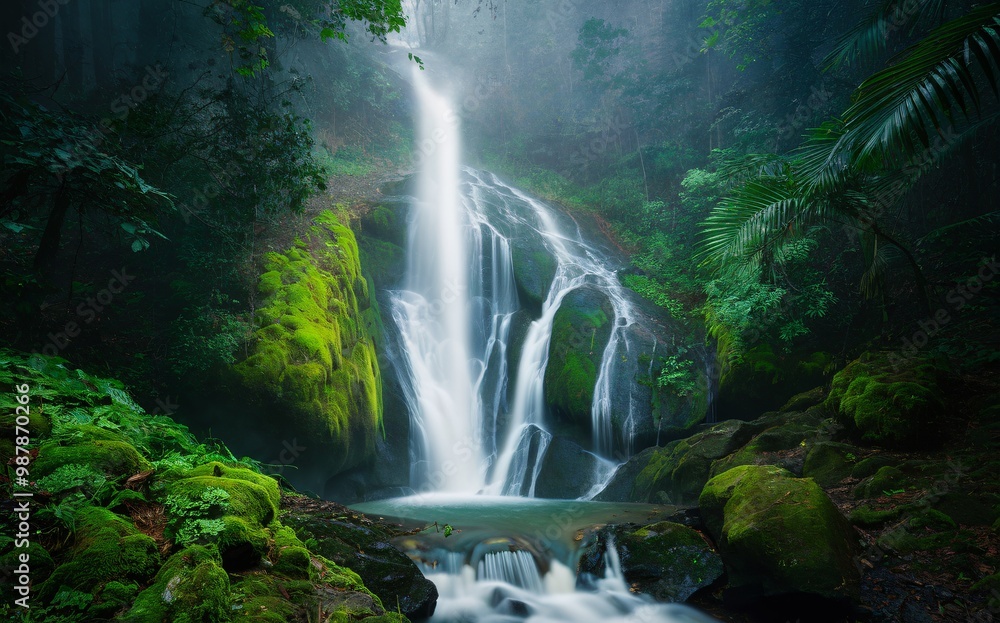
[
  {"x": 194, "y": 519},
  {"x": 893, "y": 492},
  {"x": 850, "y": 457},
  {"x": 448, "y": 530},
  {"x": 72, "y": 476}
]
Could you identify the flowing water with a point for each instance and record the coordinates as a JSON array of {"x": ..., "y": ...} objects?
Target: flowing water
[
  {"x": 513, "y": 559},
  {"x": 478, "y": 421},
  {"x": 473, "y": 432}
]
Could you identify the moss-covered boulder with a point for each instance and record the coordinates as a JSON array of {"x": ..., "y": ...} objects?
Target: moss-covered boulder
[
  {"x": 889, "y": 401},
  {"x": 580, "y": 332},
  {"x": 779, "y": 536},
  {"x": 677, "y": 472},
  {"x": 106, "y": 547},
  {"x": 313, "y": 359},
  {"x": 829, "y": 462},
  {"x": 111, "y": 458},
  {"x": 192, "y": 587},
  {"x": 365, "y": 549},
  {"x": 229, "y": 507},
  {"x": 885, "y": 481},
  {"x": 669, "y": 561}
]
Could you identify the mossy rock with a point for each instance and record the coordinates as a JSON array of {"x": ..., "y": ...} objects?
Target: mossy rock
[
  {"x": 886, "y": 479},
  {"x": 313, "y": 358},
  {"x": 760, "y": 450},
  {"x": 113, "y": 458},
  {"x": 969, "y": 509},
  {"x": 889, "y": 401},
  {"x": 779, "y": 535},
  {"x": 39, "y": 562},
  {"x": 677, "y": 472},
  {"x": 580, "y": 331},
  {"x": 805, "y": 400},
  {"x": 534, "y": 268},
  {"x": 367, "y": 551},
  {"x": 828, "y": 462},
  {"x": 868, "y": 467},
  {"x": 668, "y": 561},
  {"x": 106, "y": 548},
  {"x": 220, "y": 470},
  {"x": 868, "y": 517},
  {"x": 192, "y": 587}
]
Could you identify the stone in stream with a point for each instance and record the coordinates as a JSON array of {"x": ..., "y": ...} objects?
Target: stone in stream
[
  {"x": 366, "y": 550},
  {"x": 666, "y": 560}
]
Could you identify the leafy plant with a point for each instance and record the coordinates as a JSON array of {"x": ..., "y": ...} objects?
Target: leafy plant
[{"x": 195, "y": 518}]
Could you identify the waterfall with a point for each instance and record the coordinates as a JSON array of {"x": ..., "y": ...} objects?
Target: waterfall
[
  {"x": 471, "y": 430},
  {"x": 516, "y": 568}
]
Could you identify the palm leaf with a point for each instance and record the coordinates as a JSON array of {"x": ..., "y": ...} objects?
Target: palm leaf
[
  {"x": 749, "y": 221},
  {"x": 897, "y": 110},
  {"x": 869, "y": 38}
]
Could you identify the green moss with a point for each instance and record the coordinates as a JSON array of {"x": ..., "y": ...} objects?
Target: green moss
[
  {"x": 677, "y": 472},
  {"x": 888, "y": 402},
  {"x": 220, "y": 470},
  {"x": 779, "y": 534},
  {"x": 247, "y": 500},
  {"x": 667, "y": 560},
  {"x": 191, "y": 587},
  {"x": 580, "y": 331},
  {"x": 106, "y": 547},
  {"x": 829, "y": 463},
  {"x": 113, "y": 458},
  {"x": 885, "y": 480},
  {"x": 114, "y": 597},
  {"x": 867, "y": 517},
  {"x": 872, "y": 464},
  {"x": 313, "y": 354}
]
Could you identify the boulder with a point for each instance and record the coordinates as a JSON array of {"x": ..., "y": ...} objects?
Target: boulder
[
  {"x": 889, "y": 401},
  {"x": 567, "y": 471},
  {"x": 779, "y": 536},
  {"x": 534, "y": 268},
  {"x": 365, "y": 549},
  {"x": 580, "y": 332},
  {"x": 666, "y": 560},
  {"x": 677, "y": 472},
  {"x": 313, "y": 357},
  {"x": 828, "y": 462}
]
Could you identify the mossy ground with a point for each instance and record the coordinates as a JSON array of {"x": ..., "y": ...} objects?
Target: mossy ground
[{"x": 121, "y": 484}]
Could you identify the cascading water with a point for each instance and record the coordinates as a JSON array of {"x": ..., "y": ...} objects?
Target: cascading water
[
  {"x": 476, "y": 428},
  {"x": 454, "y": 317}
]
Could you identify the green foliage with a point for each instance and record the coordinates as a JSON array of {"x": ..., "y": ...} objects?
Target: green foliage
[
  {"x": 207, "y": 337},
  {"x": 742, "y": 27},
  {"x": 676, "y": 375},
  {"x": 191, "y": 518},
  {"x": 72, "y": 476}
]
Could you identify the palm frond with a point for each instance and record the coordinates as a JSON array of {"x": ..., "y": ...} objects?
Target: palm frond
[
  {"x": 869, "y": 38},
  {"x": 749, "y": 221},
  {"x": 751, "y": 166},
  {"x": 898, "y": 110}
]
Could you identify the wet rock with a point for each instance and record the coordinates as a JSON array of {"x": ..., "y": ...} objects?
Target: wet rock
[
  {"x": 366, "y": 550},
  {"x": 568, "y": 471},
  {"x": 666, "y": 560}
]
